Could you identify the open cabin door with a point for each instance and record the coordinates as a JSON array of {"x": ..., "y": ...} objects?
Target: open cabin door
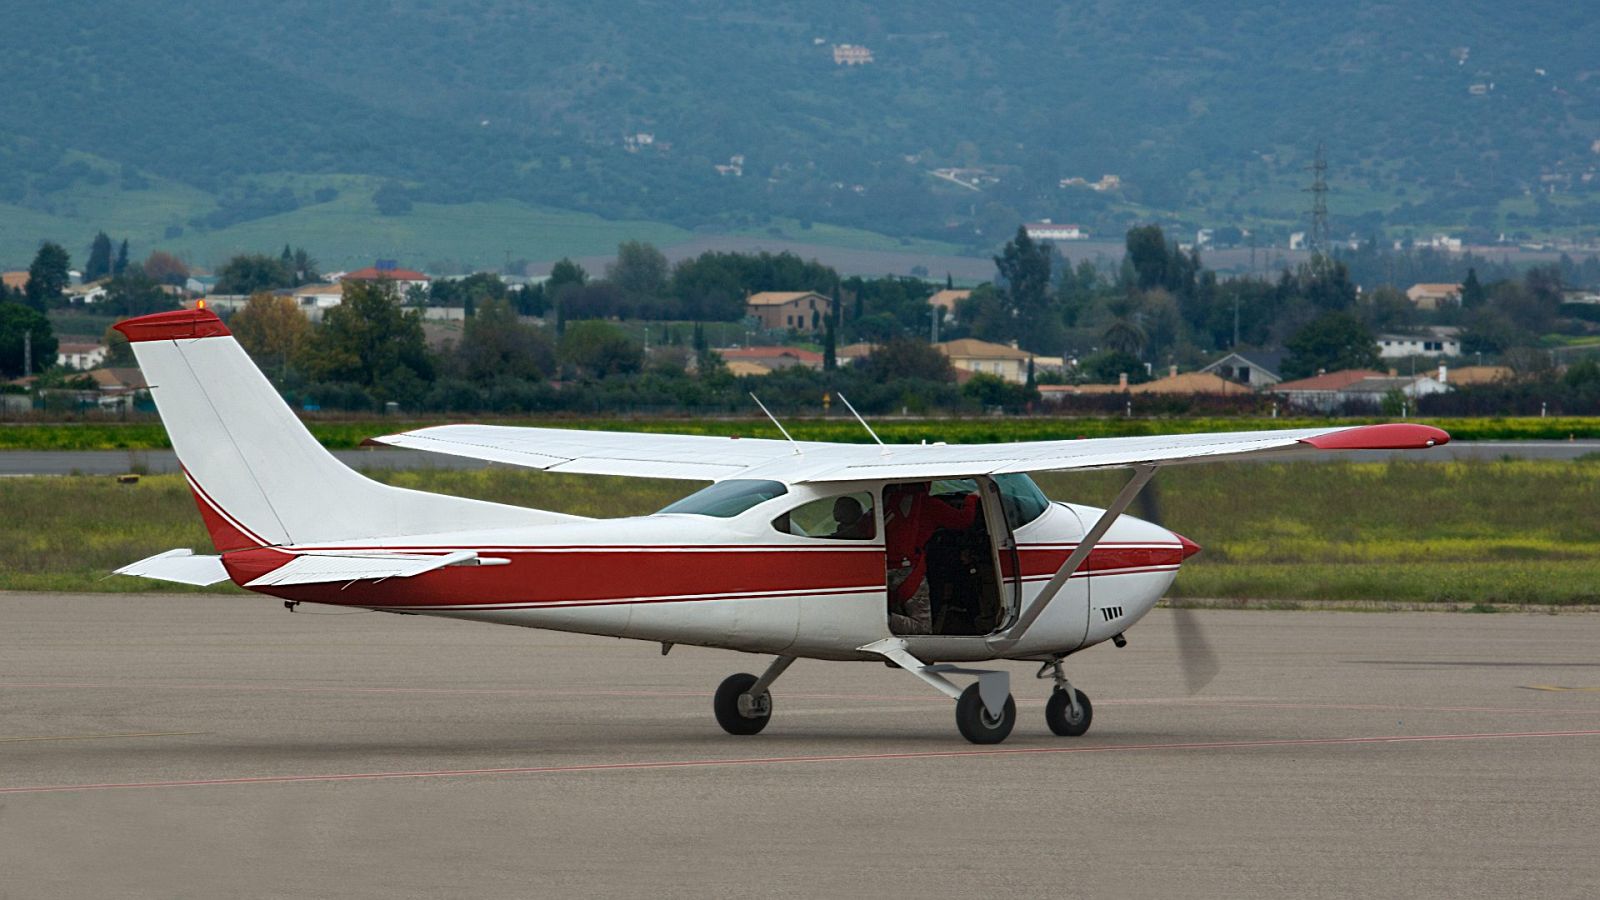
[{"x": 953, "y": 566}]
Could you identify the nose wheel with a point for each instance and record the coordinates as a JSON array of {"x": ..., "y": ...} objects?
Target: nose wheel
[
  {"x": 1062, "y": 718},
  {"x": 1068, "y": 712}
]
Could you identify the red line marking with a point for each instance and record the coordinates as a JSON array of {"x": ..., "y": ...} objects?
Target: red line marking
[{"x": 786, "y": 760}]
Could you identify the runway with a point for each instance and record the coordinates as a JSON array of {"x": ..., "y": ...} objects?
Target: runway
[
  {"x": 191, "y": 745},
  {"x": 117, "y": 462}
]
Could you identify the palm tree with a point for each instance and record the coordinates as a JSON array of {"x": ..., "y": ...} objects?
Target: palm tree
[{"x": 1124, "y": 333}]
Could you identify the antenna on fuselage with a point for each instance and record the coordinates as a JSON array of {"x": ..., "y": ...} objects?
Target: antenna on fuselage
[
  {"x": 846, "y": 401},
  {"x": 775, "y": 422}
]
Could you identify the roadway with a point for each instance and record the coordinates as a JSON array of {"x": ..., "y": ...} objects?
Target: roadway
[
  {"x": 117, "y": 462},
  {"x": 217, "y": 746}
]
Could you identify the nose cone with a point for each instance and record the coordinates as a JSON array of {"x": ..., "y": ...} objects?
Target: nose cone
[{"x": 1190, "y": 548}]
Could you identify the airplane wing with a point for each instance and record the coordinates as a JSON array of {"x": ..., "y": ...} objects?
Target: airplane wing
[
  {"x": 703, "y": 458},
  {"x": 692, "y": 457}
]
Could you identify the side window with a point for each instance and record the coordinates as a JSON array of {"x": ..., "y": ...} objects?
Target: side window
[{"x": 847, "y": 517}]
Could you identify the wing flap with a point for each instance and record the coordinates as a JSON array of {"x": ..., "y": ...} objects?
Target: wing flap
[{"x": 180, "y": 566}]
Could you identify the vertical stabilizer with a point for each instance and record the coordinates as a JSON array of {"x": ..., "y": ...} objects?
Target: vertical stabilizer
[{"x": 259, "y": 476}]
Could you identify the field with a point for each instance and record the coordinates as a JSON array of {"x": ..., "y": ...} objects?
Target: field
[
  {"x": 1520, "y": 532},
  {"x": 147, "y": 434}
]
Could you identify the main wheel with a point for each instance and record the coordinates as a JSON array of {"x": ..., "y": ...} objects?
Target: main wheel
[
  {"x": 975, "y": 722},
  {"x": 1058, "y": 713},
  {"x": 748, "y": 717}
]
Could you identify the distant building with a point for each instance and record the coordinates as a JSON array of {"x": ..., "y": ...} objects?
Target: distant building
[
  {"x": 1433, "y": 296},
  {"x": 851, "y": 55},
  {"x": 80, "y": 356},
  {"x": 93, "y": 292},
  {"x": 772, "y": 358},
  {"x": 851, "y": 354},
  {"x": 778, "y": 310},
  {"x": 1372, "y": 391},
  {"x": 1190, "y": 384},
  {"x": 1321, "y": 392},
  {"x": 1468, "y": 376},
  {"x": 316, "y": 299},
  {"x": 1050, "y": 231},
  {"x": 984, "y": 358},
  {"x": 1257, "y": 369},
  {"x": 16, "y": 281},
  {"x": 947, "y": 300},
  {"x": 404, "y": 279},
  {"x": 1436, "y": 343}
]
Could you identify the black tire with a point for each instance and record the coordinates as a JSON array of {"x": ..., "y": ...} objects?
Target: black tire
[
  {"x": 726, "y": 705},
  {"x": 977, "y": 725},
  {"x": 1058, "y": 713}
]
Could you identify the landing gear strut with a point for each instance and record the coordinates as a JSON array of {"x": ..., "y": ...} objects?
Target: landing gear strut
[
  {"x": 1068, "y": 713},
  {"x": 743, "y": 704}
]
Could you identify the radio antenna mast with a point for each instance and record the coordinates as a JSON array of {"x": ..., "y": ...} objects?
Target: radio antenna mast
[
  {"x": 846, "y": 401},
  {"x": 775, "y": 421}
]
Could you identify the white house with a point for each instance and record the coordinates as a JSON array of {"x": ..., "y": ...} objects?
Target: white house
[
  {"x": 1050, "y": 231},
  {"x": 80, "y": 356},
  {"x": 1436, "y": 343}
]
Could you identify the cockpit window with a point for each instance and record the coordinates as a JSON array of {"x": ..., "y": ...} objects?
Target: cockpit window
[
  {"x": 1021, "y": 499},
  {"x": 847, "y": 517},
  {"x": 727, "y": 499}
]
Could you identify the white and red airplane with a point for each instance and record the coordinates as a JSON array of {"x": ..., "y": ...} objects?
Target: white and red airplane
[{"x": 790, "y": 552}]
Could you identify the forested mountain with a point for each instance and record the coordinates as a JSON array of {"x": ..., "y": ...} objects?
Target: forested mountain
[{"x": 1472, "y": 115}]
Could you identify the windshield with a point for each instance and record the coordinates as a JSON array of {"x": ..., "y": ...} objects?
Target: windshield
[
  {"x": 1021, "y": 498},
  {"x": 727, "y": 499}
]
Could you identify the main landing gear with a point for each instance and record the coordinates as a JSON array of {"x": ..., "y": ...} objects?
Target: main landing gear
[{"x": 743, "y": 704}]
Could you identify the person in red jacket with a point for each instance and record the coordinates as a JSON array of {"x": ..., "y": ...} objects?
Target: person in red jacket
[{"x": 910, "y": 517}]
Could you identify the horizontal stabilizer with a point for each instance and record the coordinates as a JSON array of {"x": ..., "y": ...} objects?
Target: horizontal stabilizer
[
  {"x": 181, "y": 566},
  {"x": 324, "y": 568}
]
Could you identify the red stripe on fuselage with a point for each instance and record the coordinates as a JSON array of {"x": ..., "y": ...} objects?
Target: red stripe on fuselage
[{"x": 588, "y": 576}]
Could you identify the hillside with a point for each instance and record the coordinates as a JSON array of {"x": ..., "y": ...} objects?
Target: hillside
[{"x": 197, "y": 117}]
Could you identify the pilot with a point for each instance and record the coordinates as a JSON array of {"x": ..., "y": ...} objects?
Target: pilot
[
  {"x": 853, "y": 522},
  {"x": 910, "y": 517}
]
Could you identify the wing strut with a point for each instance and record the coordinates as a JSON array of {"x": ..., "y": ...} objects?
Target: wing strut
[{"x": 1142, "y": 474}]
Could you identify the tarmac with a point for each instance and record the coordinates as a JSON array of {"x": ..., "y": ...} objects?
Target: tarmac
[
  {"x": 219, "y": 746},
  {"x": 118, "y": 462}
]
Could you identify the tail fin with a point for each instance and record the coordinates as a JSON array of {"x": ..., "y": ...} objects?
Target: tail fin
[{"x": 259, "y": 476}]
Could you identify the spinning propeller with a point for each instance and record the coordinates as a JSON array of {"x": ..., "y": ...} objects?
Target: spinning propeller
[{"x": 1196, "y": 659}]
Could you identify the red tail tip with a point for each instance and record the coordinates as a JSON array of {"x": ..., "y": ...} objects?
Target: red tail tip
[{"x": 176, "y": 325}]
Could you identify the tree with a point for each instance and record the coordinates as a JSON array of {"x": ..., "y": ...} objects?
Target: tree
[
  {"x": 20, "y": 325},
  {"x": 252, "y": 273},
  {"x": 369, "y": 340},
  {"x": 598, "y": 349},
  {"x": 391, "y": 199},
  {"x": 904, "y": 357},
  {"x": 98, "y": 265},
  {"x": 495, "y": 344},
  {"x": 1124, "y": 335},
  {"x": 134, "y": 293},
  {"x": 273, "y": 330},
  {"x": 1330, "y": 342},
  {"x": 166, "y": 268},
  {"x": 640, "y": 271},
  {"x": 47, "y": 276},
  {"x": 1024, "y": 267},
  {"x": 1472, "y": 295},
  {"x": 1108, "y": 366},
  {"x": 121, "y": 265}
]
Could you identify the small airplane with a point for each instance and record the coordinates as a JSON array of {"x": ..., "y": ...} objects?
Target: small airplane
[{"x": 927, "y": 557}]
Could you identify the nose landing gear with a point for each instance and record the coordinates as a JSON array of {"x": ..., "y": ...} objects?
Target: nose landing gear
[
  {"x": 1068, "y": 713},
  {"x": 743, "y": 704}
]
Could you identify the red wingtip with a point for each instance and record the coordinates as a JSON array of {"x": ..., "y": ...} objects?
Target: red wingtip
[
  {"x": 172, "y": 326},
  {"x": 1392, "y": 436},
  {"x": 1190, "y": 548}
]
